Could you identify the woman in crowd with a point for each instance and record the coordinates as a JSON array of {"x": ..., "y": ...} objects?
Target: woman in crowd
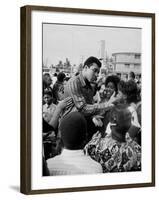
[
  {"x": 107, "y": 89},
  {"x": 114, "y": 152},
  {"x": 129, "y": 93},
  {"x": 51, "y": 116}
]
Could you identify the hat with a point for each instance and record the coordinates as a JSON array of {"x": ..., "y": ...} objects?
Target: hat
[
  {"x": 73, "y": 128},
  {"x": 120, "y": 117}
]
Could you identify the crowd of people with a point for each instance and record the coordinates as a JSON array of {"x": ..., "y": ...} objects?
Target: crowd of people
[{"x": 91, "y": 122}]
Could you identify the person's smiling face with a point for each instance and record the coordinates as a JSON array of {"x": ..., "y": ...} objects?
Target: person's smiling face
[{"x": 110, "y": 89}]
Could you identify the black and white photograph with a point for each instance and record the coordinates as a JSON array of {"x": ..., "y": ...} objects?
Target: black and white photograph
[
  {"x": 91, "y": 99},
  {"x": 88, "y": 100}
]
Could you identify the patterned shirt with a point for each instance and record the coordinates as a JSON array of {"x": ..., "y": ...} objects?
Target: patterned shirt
[
  {"x": 114, "y": 156},
  {"x": 82, "y": 94},
  {"x": 73, "y": 162}
]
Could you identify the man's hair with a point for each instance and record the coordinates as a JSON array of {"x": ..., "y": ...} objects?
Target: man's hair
[
  {"x": 61, "y": 76},
  {"x": 132, "y": 75},
  {"x": 73, "y": 129},
  {"x": 131, "y": 91},
  {"x": 122, "y": 86},
  {"x": 92, "y": 60},
  {"x": 47, "y": 92},
  {"x": 46, "y": 74},
  {"x": 121, "y": 117}
]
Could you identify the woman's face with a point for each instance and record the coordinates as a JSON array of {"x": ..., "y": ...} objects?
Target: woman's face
[
  {"x": 110, "y": 89},
  {"x": 102, "y": 92}
]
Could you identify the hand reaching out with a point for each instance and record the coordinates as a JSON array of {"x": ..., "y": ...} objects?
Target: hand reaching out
[
  {"x": 97, "y": 120},
  {"x": 114, "y": 99},
  {"x": 62, "y": 104}
]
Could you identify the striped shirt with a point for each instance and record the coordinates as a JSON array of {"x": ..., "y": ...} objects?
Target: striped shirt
[
  {"x": 73, "y": 162},
  {"x": 82, "y": 94}
]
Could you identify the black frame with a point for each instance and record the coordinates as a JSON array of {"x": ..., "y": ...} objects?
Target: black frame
[{"x": 25, "y": 185}]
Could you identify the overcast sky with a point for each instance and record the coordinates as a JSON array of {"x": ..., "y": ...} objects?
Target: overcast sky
[{"x": 76, "y": 42}]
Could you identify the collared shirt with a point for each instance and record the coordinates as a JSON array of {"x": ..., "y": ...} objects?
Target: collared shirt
[
  {"x": 114, "y": 156},
  {"x": 73, "y": 162},
  {"x": 82, "y": 94}
]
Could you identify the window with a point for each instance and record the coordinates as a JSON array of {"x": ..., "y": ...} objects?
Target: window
[
  {"x": 127, "y": 66},
  {"x": 136, "y": 66},
  {"x": 137, "y": 56}
]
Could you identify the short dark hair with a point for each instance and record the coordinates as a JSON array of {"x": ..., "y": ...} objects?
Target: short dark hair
[
  {"x": 92, "y": 60},
  {"x": 122, "y": 86},
  {"x": 114, "y": 79},
  {"x": 47, "y": 92},
  {"x": 73, "y": 128},
  {"x": 132, "y": 75},
  {"x": 131, "y": 91},
  {"x": 46, "y": 74},
  {"x": 121, "y": 117},
  {"x": 61, "y": 76}
]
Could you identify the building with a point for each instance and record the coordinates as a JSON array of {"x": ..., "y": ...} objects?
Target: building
[
  {"x": 102, "y": 53},
  {"x": 124, "y": 62}
]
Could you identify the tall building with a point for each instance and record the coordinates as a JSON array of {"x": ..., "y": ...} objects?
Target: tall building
[
  {"x": 102, "y": 49},
  {"x": 102, "y": 53}
]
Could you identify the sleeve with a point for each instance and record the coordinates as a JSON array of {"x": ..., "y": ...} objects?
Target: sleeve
[{"x": 75, "y": 91}]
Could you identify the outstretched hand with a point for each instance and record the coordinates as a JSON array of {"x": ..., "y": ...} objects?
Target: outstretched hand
[
  {"x": 97, "y": 120},
  {"x": 114, "y": 98},
  {"x": 67, "y": 101}
]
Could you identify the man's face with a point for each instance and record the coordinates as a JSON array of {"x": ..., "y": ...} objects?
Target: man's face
[
  {"x": 48, "y": 80},
  {"x": 91, "y": 73},
  {"x": 47, "y": 99}
]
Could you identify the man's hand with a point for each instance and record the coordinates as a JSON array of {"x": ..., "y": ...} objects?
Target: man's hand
[
  {"x": 114, "y": 99},
  {"x": 97, "y": 120},
  {"x": 62, "y": 104}
]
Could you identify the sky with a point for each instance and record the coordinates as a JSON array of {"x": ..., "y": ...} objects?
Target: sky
[{"x": 77, "y": 43}]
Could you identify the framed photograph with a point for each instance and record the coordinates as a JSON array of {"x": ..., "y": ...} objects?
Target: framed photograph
[{"x": 87, "y": 99}]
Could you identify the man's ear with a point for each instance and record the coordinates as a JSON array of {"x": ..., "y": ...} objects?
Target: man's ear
[{"x": 85, "y": 67}]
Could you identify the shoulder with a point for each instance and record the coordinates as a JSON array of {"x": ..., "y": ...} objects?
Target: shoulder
[
  {"x": 53, "y": 106},
  {"x": 74, "y": 79},
  {"x": 53, "y": 160},
  {"x": 44, "y": 106},
  {"x": 74, "y": 83},
  {"x": 94, "y": 165}
]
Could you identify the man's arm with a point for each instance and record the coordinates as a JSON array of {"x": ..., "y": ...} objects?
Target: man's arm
[
  {"x": 75, "y": 91},
  {"x": 56, "y": 115}
]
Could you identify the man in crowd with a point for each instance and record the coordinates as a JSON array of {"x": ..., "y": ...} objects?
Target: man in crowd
[
  {"x": 131, "y": 76},
  {"x": 81, "y": 91},
  {"x": 58, "y": 88},
  {"x": 47, "y": 81},
  {"x": 72, "y": 160}
]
